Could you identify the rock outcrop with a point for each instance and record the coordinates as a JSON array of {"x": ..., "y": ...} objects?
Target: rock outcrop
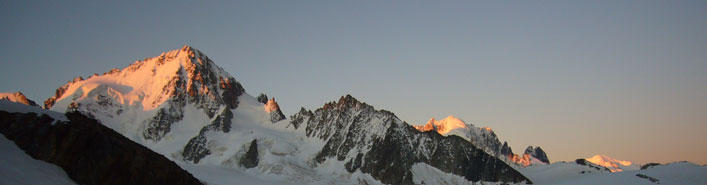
[
  {"x": 89, "y": 152},
  {"x": 537, "y": 153},
  {"x": 250, "y": 159}
]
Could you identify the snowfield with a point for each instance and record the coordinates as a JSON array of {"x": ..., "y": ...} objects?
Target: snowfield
[
  {"x": 16, "y": 167},
  {"x": 614, "y": 165},
  {"x": 570, "y": 173}
]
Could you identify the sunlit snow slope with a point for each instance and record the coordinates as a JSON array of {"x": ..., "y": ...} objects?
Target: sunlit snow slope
[
  {"x": 613, "y": 164},
  {"x": 17, "y": 97}
]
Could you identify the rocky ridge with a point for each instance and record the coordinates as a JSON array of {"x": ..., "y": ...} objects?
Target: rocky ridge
[{"x": 378, "y": 143}]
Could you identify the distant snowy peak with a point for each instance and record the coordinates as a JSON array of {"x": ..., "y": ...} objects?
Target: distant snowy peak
[
  {"x": 482, "y": 137},
  {"x": 448, "y": 126},
  {"x": 486, "y": 139},
  {"x": 612, "y": 164},
  {"x": 17, "y": 97}
]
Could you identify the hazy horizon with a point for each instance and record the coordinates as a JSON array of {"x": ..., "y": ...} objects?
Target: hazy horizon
[{"x": 624, "y": 79}]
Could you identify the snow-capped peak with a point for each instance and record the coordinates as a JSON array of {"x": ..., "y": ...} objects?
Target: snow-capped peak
[
  {"x": 614, "y": 165},
  {"x": 448, "y": 124},
  {"x": 445, "y": 126},
  {"x": 152, "y": 81},
  {"x": 144, "y": 99},
  {"x": 484, "y": 138},
  {"x": 17, "y": 97}
]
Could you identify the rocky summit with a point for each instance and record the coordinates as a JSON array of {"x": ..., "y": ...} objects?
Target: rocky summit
[{"x": 378, "y": 143}]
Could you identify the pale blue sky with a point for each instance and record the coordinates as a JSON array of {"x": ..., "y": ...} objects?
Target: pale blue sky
[{"x": 626, "y": 79}]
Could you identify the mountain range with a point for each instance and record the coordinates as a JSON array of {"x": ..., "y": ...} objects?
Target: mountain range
[
  {"x": 486, "y": 139},
  {"x": 181, "y": 113}
]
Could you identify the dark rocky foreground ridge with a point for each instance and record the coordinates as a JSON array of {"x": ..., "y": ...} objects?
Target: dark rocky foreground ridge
[
  {"x": 89, "y": 152},
  {"x": 378, "y": 143}
]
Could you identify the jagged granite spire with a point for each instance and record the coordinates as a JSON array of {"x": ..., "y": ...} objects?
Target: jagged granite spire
[
  {"x": 537, "y": 153},
  {"x": 272, "y": 108}
]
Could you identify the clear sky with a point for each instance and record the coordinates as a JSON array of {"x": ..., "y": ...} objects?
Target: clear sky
[{"x": 627, "y": 79}]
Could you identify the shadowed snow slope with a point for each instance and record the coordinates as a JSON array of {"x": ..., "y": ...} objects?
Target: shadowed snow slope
[
  {"x": 16, "y": 167},
  {"x": 22, "y": 108},
  {"x": 561, "y": 173}
]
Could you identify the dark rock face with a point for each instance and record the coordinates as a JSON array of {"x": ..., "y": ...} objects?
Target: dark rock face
[
  {"x": 231, "y": 91},
  {"x": 653, "y": 180},
  {"x": 584, "y": 162},
  {"x": 262, "y": 98},
  {"x": 250, "y": 159},
  {"x": 649, "y": 165},
  {"x": 197, "y": 148},
  {"x": 506, "y": 150},
  {"x": 538, "y": 153},
  {"x": 276, "y": 116},
  {"x": 202, "y": 83},
  {"x": 380, "y": 144},
  {"x": 161, "y": 124},
  {"x": 581, "y": 161},
  {"x": 89, "y": 152},
  {"x": 301, "y": 117}
]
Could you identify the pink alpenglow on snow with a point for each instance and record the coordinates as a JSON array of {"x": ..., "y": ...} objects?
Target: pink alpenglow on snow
[{"x": 614, "y": 165}]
